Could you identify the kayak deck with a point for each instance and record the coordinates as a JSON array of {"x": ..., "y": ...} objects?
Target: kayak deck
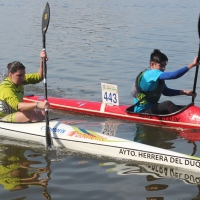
[{"x": 187, "y": 117}]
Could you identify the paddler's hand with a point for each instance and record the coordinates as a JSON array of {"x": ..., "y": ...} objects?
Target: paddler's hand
[
  {"x": 43, "y": 54},
  {"x": 43, "y": 105},
  {"x": 196, "y": 62},
  {"x": 188, "y": 93}
]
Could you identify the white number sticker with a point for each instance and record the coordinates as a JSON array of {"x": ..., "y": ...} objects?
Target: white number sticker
[{"x": 109, "y": 94}]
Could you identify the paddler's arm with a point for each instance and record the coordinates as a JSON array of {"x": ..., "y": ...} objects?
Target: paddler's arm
[
  {"x": 180, "y": 72},
  {"x": 173, "y": 75},
  {"x": 22, "y": 106},
  {"x": 196, "y": 62},
  {"x": 172, "y": 92},
  {"x": 43, "y": 54}
]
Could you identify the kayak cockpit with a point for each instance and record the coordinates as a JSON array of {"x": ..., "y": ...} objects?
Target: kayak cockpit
[{"x": 130, "y": 110}]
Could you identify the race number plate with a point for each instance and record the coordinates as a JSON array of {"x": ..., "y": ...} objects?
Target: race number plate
[{"x": 109, "y": 94}]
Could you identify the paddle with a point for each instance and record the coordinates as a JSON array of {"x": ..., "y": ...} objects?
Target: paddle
[
  {"x": 45, "y": 23},
  {"x": 197, "y": 68}
]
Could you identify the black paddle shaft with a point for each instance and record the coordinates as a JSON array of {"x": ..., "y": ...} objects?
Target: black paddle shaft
[
  {"x": 45, "y": 24},
  {"x": 197, "y": 67}
]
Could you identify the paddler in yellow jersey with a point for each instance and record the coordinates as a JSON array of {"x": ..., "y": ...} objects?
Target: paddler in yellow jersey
[{"x": 12, "y": 109}]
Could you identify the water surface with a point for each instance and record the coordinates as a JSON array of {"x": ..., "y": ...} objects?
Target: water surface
[{"x": 89, "y": 42}]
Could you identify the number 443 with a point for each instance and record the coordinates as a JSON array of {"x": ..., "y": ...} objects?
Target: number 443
[{"x": 110, "y": 97}]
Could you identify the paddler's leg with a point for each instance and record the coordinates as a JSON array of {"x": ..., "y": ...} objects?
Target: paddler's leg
[
  {"x": 166, "y": 107},
  {"x": 9, "y": 118},
  {"x": 26, "y": 116},
  {"x": 30, "y": 116}
]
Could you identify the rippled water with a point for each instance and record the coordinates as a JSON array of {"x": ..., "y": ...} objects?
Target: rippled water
[{"x": 89, "y": 42}]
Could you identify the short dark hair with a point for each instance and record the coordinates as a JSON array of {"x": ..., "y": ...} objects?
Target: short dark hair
[
  {"x": 158, "y": 57},
  {"x": 14, "y": 66}
]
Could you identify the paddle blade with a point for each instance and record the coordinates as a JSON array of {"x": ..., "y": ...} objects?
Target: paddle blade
[
  {"x": 197, "y": 67},
  {"x": 199, "y": 26},
  {"x": 199, "y": 36},
  {"x": 45, "y": 18}
]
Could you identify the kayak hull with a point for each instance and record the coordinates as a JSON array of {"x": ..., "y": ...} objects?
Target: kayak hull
[
  {"x": 187, "y": 117},
  {"x": 73, "y": 138}
]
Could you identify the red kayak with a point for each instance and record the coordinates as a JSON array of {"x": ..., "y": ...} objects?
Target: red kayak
[{"x": 187, "y": 117}]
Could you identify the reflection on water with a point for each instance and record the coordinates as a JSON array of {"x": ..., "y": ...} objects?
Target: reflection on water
[
  {"x": 192, "y": 135},
  {"x": 155, "y": 173},
  {"x": 16, "y": 172},
  {"x": 109, "y": 127},
  {"x": 155, "y": 136}
]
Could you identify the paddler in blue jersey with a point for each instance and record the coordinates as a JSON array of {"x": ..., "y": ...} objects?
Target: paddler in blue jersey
[
  {"x": 12, "y": 107},
  {"x": 150, "y": 84}
]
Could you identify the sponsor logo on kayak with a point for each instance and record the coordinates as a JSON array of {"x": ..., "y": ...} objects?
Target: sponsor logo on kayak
[
  {"x": 82, "y": 133},
  {"x": 54, "y": 130},
  {"x": 81, "y": 103},
  {"x": 40, "y": 98},
  {"x": 163, "y": 118},
  {"x": 160, "y": 157}
]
